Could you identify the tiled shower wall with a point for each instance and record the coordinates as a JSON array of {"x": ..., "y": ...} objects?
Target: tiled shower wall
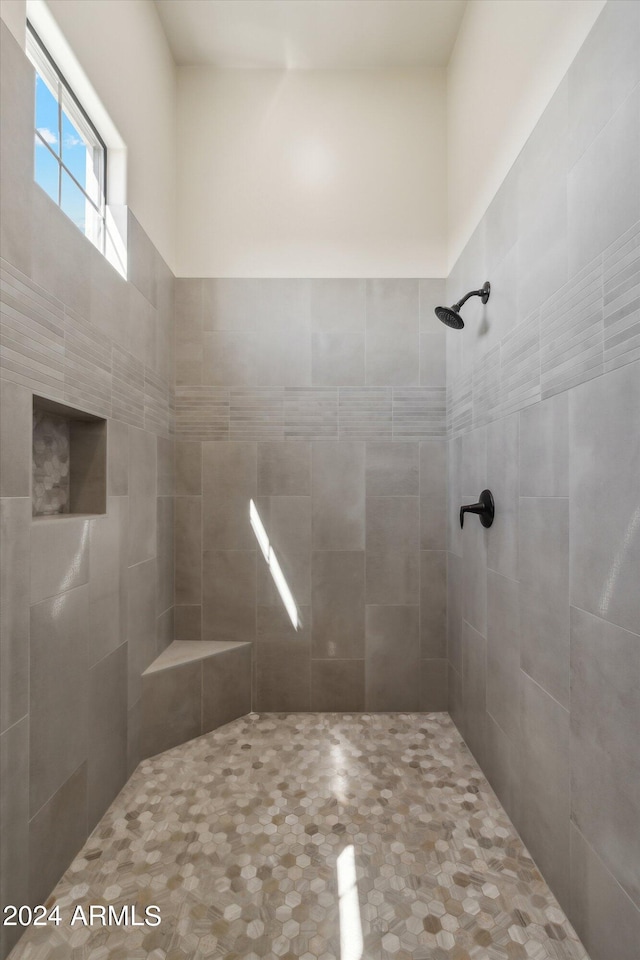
[
  {"x": 323, "y": 401},
  {"x": 86, "y": 603},
  {"x": 544, "y": 409}
]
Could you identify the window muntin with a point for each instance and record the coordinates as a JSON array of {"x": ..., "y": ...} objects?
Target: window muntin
[{"x": 70, "y": 155}]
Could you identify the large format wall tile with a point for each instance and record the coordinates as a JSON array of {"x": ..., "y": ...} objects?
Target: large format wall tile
[
  {"x": 141, "y": 266},
  {"x": 392, "y": 670},
  {"x": 542, "y": 255},
  {"x": 501, "y": 765},
  {"x": 16, "y": 153},
  {"x": 141, "y": 623},
  {"x": 188, "y": 550},
  {"x": 474, "y": 679},
  {"x": 226, "y": 687},
  {"x": 337, "y": 604},
  {"x": 433, "y": 335},
  {"x": 56, "y": 833},
  {"x": 434, "y": 686},
  {"x": 502, "y": 480},
  {"x": 107, "y": 733},
  {"x": 229, "y": 482},
  {"x": 142, "y": 495},
  {"x": 229, "y": 595},
  {"x": 188, "y": 622},
  {"x": 433, "y": 604},
  {"x": 454, "y": 696},
  {"x": 544, "y": 589},
  {"x": 544, "y": 801},
  {"x": 58, "y": 692},
  {"x": 337, "y": 686},
  {"x": 599, "y": 909},
  {"x": 282, "y": 662},
  {"x": 392, "y": 333},
  {"x": 603, "y": 74},
  {"x": 433, "y": 495},
  {"x": 338, "y": 496},
  {"x": 287, "y": 522},
  {"x": 165, "y": 463},
  {"x": 544, "y": 448},
  {"x": 474, "y": 575},
  {"x": 338, "y": 317},
  {"x": 454, "y": 611},
  {"x": 14, "y": 823},
  {"x": 107, "y": 581},
  {"x": 15, "y": 523},
  {"x": 604, "y": 187},
  {"x": 16, "y": 416},
  {"x": 605, "y": 496},
  {"x": 503, "y": 653},
  {"x": 188, "y": 468},
  {"x": 242, "y": 305},
  {"x": 117, "y": 459},
  {"x": 165, "y": 560},
  {"x": 454, "y": 495},
  {"x": 59, "y": 556},
  {"x": 393, "y": 559},
  {"x": 605, "y": 765},
  {"x": 472, "y": 466},
  {"x": 284, "y": 469},
  {"x": 393, "y": 469},
  {"x": 257, "y": 356}
]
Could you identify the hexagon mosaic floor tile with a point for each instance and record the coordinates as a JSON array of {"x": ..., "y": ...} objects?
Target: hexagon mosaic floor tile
[{"x": 310, "y": 837}]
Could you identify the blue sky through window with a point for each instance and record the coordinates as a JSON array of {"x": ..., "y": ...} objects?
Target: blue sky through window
[
  {"x": 46, "y": 167},
  {"x": 70, "y": 155},
  {"x": 76, "y": 155}
]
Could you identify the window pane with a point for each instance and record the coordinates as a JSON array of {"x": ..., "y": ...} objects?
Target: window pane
[
  {"x": 46, "y": 114},
  {"x": 73, "y": 202},
  {"x": 46, "y": 170},
  {"x": 75, "y": 155}
]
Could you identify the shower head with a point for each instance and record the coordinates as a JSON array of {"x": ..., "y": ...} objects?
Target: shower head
[{"x": 451, "y": 315}]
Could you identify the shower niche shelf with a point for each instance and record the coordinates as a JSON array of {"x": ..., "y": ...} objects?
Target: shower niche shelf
[{"x": 68, "y": 461}]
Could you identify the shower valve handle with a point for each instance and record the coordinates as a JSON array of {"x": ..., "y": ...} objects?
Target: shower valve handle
[{"x": 485, "y": 509}]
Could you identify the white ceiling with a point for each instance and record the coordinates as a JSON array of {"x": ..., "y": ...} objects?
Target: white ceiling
[{"x": 312, "y": 34}]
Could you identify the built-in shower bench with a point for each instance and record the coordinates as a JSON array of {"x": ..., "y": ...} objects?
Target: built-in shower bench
[{"x": 193, "y": 687}]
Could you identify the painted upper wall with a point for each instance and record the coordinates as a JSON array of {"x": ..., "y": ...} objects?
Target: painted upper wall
[
  {"x": 311, "y": 173},
  {"x": 121, "y": 47},
  {"x": 507, "y": 62},
  {"x": 13, "y": 12},
  {"x": 320, "y": 173}
]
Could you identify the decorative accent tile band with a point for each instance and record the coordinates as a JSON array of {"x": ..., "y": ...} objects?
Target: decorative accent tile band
[
  {"x": 589, "y": 326},
  {"x": 622, "y": 300},
  {"x": 53, "y": 351},
  {"x": 310, "y": 413}
]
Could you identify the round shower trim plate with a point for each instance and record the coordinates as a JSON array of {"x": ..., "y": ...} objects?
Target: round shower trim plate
[{"x": 486, "y": 291}]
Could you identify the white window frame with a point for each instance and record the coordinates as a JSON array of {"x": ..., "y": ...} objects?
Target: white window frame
[{"x": 99, "y": 224}]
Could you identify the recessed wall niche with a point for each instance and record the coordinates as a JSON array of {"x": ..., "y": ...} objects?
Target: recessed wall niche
[{"x": 69, "y": 461}]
